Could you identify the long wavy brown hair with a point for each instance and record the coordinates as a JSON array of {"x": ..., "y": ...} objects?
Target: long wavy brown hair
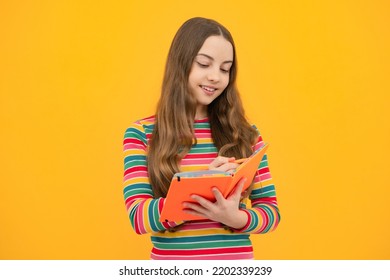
[{"x": 173, "y": 134}]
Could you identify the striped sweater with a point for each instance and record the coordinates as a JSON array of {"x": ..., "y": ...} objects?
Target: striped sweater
[{"x": 204, "y": 239}]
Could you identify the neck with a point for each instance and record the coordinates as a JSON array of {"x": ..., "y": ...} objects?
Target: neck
[{"x": 201, "y": 112}]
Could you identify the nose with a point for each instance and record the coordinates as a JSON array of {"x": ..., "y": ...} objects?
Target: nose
[{"x": 213, "y": 74}]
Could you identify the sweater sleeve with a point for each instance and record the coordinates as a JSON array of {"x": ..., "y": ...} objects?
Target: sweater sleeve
[
  {"x": 263, "y": 215},
  {"x": 142, "y": 208}
]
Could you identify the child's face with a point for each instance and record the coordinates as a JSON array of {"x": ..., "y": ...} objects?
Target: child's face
[{"x": 209, "y": 75}]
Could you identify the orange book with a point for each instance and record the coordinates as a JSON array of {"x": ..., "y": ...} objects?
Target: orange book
[{"x": 185, "y": 184}]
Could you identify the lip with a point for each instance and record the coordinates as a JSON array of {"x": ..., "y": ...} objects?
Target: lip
[{"x": 209, "y": 90}]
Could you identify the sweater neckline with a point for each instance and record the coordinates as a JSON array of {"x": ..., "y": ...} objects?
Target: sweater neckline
[{"x": 202, "y": 120}]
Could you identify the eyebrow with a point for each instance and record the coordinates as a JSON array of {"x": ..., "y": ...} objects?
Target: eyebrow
[{"x": 211, "y": 58}]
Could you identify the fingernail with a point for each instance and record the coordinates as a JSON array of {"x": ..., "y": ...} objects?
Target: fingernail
[{"x": 232, "y": 159}]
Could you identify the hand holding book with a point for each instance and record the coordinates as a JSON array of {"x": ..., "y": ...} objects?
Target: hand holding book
[
  {"x": 225, "y": 164},
  {"x": 223, "y": 210}
]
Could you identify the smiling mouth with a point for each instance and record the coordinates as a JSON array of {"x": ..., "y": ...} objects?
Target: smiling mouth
[{"x": 208, "y": 89}]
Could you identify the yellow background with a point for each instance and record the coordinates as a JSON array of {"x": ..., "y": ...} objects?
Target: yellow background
[{"x": 313, "y": 75}]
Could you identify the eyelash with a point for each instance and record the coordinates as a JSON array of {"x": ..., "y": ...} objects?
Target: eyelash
[{"x": 205, "y": 66}]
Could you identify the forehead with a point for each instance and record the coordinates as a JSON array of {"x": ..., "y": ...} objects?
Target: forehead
[{"x": 218, "y": 48}]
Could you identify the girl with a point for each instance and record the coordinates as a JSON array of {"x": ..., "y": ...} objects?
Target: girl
[{"x": 199, "y": 124}]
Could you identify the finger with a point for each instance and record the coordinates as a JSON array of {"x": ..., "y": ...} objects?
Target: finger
[
  {"x": 195, "y": 213},
  {"x": 244, "y": 194},
  {"x": 193, "y": 207},
  {"x": 232, "y": 170},
  {"x": 202, "y": 201},
  {"x": 238, "y": 189},
  {"x": 230, "y": 166},
  {"x": 218, "y": 161},
  {"x": 218, "y": 195}
]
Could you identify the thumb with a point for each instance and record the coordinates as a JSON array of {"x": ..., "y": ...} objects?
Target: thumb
[{"x": 238, "y": 189}]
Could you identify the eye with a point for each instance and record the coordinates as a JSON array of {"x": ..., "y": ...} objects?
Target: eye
[
  {"x": 225, "y": 71},
  {"x": 202, "y": 64}
]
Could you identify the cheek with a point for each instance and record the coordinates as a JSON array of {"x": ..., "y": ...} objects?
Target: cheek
[
  {"x": 192, "y": 79},
  {"x": 226, "y": 81}
]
